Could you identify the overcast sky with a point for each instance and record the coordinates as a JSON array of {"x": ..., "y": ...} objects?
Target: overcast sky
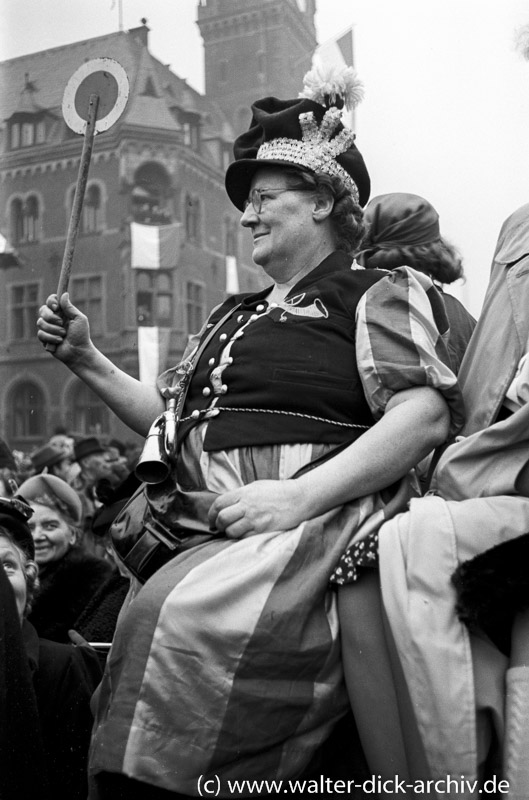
[{"x": 446, "y": 109}]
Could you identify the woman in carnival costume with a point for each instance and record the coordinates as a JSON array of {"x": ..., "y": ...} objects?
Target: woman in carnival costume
[{"x": 226, "y": 662}]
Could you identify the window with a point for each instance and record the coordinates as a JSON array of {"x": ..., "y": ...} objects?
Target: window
[
  {"x": 17, "y": 221},
  {"x": 192, "y": 218},
  {"x": 195, "y": 316},
  {"x": 24, "y": 220},
  {"x": 190, "y": 123},
  {"x": 40, "y": 132},
  {"x": 27, "y": 130},
  {"x": 154, "y": 298},
  {"x": 24, "y": 310},
  {"x": 87, "y": 294},
  {"x": 151, "y": 195},
  {"x": 90, "y": 414},
  {"x": 15, "y": 135},
  {"x": 28, "y": 134},
  {"x": 31, "y": 220},
  {"x": 92, "y": 211},
  {"x": 26, "y": 412}
]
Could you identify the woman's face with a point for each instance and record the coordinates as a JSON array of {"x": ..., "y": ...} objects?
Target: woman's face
[
  {"x": 284, "y": 228},
  {"x": 12, "y": 561},
  {"x": 52, "y": 535}
]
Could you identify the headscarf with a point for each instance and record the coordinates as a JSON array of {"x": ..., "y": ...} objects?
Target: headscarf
[{"x": 399, "y": 220}]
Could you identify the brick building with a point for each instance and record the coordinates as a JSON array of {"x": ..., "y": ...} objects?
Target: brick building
[{"x": 156, "y": 175}]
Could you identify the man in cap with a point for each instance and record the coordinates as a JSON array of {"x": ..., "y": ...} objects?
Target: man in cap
[{"x": 53, "y": 460}]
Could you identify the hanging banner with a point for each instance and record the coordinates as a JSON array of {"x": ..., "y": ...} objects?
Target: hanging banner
[
  {"x": 155, "y": 246},
  {"x": 153, "y": 347},
  {"x": 232, "y": 276}
]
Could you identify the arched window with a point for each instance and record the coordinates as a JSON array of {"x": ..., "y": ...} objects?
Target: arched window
[
  {"x": 24, "y": 216},
  {"x": 31, "y": 219},
  {"x": 17, "y": 221},
  {"x": 26, "y": 414},
  {"x": 90, "y": 414},
  {"x": 151, "y": 195}
]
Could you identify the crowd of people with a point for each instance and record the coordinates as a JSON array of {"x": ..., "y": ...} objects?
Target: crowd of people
[
  {"x": 338, "y": 526},
  {"x": 68, "y": 592}
]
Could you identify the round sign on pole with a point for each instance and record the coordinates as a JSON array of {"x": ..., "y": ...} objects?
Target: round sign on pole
[{"x": 103, "y": 77}]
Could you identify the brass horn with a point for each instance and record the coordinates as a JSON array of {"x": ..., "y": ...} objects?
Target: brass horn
[{"x": 153, "y": 464}]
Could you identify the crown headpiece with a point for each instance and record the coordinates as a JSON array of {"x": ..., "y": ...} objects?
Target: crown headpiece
[{"x": 317, "y": 149}]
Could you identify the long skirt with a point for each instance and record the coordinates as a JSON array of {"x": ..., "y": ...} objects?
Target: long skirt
[{"x": 226, "y": 664}]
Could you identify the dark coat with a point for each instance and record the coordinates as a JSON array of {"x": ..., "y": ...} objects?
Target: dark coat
[
  {"x": 67, "y": 586},
  {"x": 64, "y": 679},
  {"x": 22, "y": 770}
]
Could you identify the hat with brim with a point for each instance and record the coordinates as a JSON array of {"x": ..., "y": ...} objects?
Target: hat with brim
[
  {"x": 56, "y": 491},
  {"x": 296, "y": 133},
  {"x": 14, "y": 515},
  {"x": 87, "y": 447},
  {"x": 46, "y": 456}
]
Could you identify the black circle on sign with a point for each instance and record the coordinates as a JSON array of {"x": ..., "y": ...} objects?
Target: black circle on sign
[{"x": 103, "y": 84}]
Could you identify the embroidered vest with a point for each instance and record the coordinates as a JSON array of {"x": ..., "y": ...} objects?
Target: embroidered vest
[{"x": 276, "y": 374}]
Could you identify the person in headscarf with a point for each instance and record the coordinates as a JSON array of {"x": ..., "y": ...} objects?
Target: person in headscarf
[
  {"x": 403, "y": 230},
  {"x": 449, "y": 642}
]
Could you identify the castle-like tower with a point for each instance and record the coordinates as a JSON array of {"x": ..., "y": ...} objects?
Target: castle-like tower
[{"x": 254, "y": 48}]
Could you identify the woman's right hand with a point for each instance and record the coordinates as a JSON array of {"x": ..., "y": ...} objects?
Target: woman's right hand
[{"x": 65, "y": 327}]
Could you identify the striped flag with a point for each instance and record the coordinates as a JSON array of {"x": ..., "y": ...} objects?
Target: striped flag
[
  {"x": 155, "y": 246},
  {"x": 336, "y": 52},
  {"x": 153, "y": 347}
]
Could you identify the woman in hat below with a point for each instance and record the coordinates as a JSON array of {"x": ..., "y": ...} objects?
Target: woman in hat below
[
  {"x": 63, "y": 677},
  {"x": 69, "y": 576},
  {"x": 226, "y": 664}
]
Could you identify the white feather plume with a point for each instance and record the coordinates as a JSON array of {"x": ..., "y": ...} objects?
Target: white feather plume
[
  {"x": 333, "y": 82},
  {"x": 521, "y": 41}
]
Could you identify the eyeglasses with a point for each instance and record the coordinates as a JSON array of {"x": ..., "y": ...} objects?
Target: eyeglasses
[{"x": 259, "y": 196}]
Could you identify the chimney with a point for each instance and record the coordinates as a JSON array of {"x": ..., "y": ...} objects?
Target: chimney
[{"x": 141, "y": 33}]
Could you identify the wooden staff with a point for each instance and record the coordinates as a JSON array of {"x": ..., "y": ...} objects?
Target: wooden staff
[{"x": 77, "y": 207}]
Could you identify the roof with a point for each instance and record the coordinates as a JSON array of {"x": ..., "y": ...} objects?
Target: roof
[{"x": 154, "y": 89}]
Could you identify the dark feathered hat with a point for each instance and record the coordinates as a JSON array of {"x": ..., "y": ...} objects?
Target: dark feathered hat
[
  {"x": 14, "y": 515},
  {"x": 306, "y": 132}
]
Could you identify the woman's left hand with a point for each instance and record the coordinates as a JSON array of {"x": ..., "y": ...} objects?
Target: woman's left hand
[{"x": 257, "y": 508}]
